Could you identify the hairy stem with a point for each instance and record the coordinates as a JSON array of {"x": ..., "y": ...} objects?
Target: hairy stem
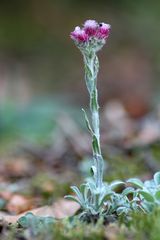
[{"x": 91, "y": 71}]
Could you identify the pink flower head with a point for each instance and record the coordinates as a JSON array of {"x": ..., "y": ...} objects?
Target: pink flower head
[
  {"x": 79, "y": 35},
  {"x": 90, "y": 27},
  {"x": 92, "y": 33},
  {"x": 103, "y": 30}
]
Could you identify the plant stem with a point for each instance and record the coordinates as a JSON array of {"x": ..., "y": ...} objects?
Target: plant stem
[{"x": 91, "y": 71}]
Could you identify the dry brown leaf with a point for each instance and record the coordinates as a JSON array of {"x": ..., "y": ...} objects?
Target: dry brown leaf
[
  {"x": 119, "y": 124},
  {"x": 18, "y": 167},
  {"x": 77, "y": 139},
  {"x": 6, "y": 195},
  {"x": 41, "y": 212},
  {"x": 18, "y": 204},
  {"x": 62, "y": 208},
  {"x": 149, "y": 133},
  {"x": 9, "y": 218}
]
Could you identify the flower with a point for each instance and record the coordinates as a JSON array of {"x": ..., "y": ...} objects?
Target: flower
[
  {"x": 103, "y": 30},
  {"x": 90, "y": 27},
  {"x": 92, "y": 36},
  {"x": 79, "y": 35}
]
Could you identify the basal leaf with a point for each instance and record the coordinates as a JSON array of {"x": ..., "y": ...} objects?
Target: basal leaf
[
  {"x": 128, "y": 190},
  {"x": 157, "y": 195},
  {"x": 116, "y": 184},
  {"x": 136, "y": 182},
  {"x": 79, "y": 194},
  {"x": 72, "y": 198},
  {"x": 157, "y": 178},
  {"x": 147, "y": 196}
]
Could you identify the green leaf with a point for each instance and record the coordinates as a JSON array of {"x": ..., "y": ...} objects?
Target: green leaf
[
  {"x": 148, "y": 207},
  {"x": 88, "y": 71},
  {"x": 135, "y": 181},
  {"x": 72, "y": 198},
  {"x": 104, "y": 197},
  {"x": 92, "y": 187},
  {"x": 31, "y": 220},
  {"x": 147, "y": 196},
  {"x": 128, "y": 190},
  {"x": 95, "y": 145},
  {"x": 36, "y": 223},
  {"x": 157, "y": 178},
  {"x": 86, "y": 191},
  {"x": 150, "y": 184},
  {"x": 26, "y": 220},
  {"x": 87, "y": 122},
  {"x": 157, "y": 195},
  {"x": 116, "y": 184},
  {"x": 79, "y": 194},
  {"x": 88, "y": 78},
  {"x": 94, "y": 103},
  {"x": 93, "y": 171},
  {"x": 122, "y": 210},
  {"x": 82, "y": 188}
]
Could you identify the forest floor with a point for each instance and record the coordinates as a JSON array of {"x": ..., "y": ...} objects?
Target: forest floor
[{"x": 36, "y": 175}]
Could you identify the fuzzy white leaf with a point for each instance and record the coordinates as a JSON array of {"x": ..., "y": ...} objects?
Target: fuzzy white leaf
[
  {"x": 157, "y": 178},
  {"x": 135, "y": 181}
]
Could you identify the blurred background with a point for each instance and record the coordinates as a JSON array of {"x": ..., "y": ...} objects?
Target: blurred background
[
  {"x": 44, "y": 144},
  {"x": 41, "y": 71},
  {"x": 37, "y": 57}
]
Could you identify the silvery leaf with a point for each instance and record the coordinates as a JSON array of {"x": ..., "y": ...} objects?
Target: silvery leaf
[
  {"x": 147, "y": 196},
  {"x": 116, "y": 184},
  {"x": 128, "y": 190},
  {"x": 157, "y": 178},
  {"x": 135, "y": 181}
]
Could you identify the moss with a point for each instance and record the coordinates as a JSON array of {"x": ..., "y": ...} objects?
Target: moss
[
  {"x": 79, "y": 231},
  {"x": 140, "y": 227},
  {"x": 66, "y": 229},
  {"x": 155, "y": 149},
  {"x": 146, "y": 227},
  {"x": 48, "y": 187},
  {"x": 123, "y": 167}
]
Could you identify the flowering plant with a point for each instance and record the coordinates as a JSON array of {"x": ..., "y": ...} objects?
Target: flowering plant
[
  {"x": 89, "y": 40},
  {"x": 96, "y": 197}
]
